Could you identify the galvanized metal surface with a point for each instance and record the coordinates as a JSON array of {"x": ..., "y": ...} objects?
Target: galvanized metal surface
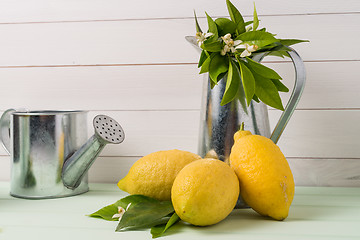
[{"x": 50, "y": 153}]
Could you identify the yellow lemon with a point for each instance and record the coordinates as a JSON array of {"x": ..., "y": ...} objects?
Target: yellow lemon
[
  {"x": 266, "y": 182},
  {"x": 154, "y": 174},
  {"x": 205, "y": 192}
]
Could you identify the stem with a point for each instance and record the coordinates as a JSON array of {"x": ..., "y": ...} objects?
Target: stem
[{"x": 242, "y": 126}]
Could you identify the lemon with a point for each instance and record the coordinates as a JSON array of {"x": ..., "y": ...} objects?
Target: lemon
[
  {"x": 266, "y": 182},
  {"x": 205, "y": 192},
  {"x": 154, "y": 174}
]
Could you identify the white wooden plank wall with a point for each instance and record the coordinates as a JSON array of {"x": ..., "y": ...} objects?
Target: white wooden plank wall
[{"x": 129, "y": 59}]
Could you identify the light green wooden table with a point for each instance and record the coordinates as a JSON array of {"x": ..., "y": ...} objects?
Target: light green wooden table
[{"x": 316, "y": 213}]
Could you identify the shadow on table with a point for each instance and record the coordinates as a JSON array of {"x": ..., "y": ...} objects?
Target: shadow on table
[{"x": 238, "y": 220}]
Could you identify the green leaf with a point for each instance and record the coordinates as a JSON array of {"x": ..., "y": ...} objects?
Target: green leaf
[
  {"x": 159, "y": 230},
  {"x": 221, "y": 76},
  {"x": 145, "y": 214},
  {"x": 211, "y": 46},
  {"x": 236, "y": 17},
  {"x": 279, "y": 85},
  {"x": 107, "y": 212},
  {"x": 282, "y": 54},
  {"x": 225, "y": 26},
  {"x": 242, "y": 99},
  {"x": 218, "y": 65},
  {"x": 198, "y": 29},
  {"x": 289, "y": 42},
  {"x": 256, "y": 99},
  {"x": 203, "y": 57},
  {"x": 258, "y": 38},
  {"x": 205, "y": 66},
  {"x": 267, "y": 92},
  {"x": 248, "y": 82},
  {"x": 248, "y": 23},
  {"x": 256, "y": 19},
  {"x": 232, "y": 84},
  {"x": 261, "y": 69},
  {"x": 212, "y": 29}
]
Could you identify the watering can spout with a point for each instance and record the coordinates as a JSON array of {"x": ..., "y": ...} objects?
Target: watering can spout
[{"x": 107, "y": 130}]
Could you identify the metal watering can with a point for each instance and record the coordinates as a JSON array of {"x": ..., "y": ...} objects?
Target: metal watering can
[{"x": 50, "y": 151}]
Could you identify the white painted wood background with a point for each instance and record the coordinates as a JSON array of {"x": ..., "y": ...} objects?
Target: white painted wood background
[{"x": 129, "y": 59}]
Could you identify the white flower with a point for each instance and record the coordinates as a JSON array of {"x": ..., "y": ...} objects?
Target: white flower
[
  {"x": 230, "y": 44},
  {"x": 248, "y": 49},
  {"x": 201, "y": 37},
  {"x": 127, "y": 207},
  {"x": 121, "y": 212}
]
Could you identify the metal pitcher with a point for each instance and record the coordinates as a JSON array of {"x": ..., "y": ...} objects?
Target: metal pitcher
[
  {"x": 50, "y": 151},
  {"x": 219, "y": 123}
]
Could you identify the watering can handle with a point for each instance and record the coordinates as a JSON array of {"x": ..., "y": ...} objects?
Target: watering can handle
[
  {"x": 5, "y": 129},
  {"x": 300, "y": 77}
]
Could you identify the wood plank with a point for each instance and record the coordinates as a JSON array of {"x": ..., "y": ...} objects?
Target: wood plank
[
  {"x": 310, "y": 133},
  {"x": 165, "y": 87},
  {"x": 58, "y": 10},
  {"x": 324, "y": 134},
  {"x": 97, "y": 88},
  {"x": 307, "y": 172},
  {"x": 326, "y": 172},
  {"x": 5, "y": 168},
  {"x": 94, "y": 43}
]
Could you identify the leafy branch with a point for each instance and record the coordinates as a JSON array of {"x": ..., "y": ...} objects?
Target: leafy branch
[
  {"x": 141, "y": 212},
  {"x": 227, "y": 54}
]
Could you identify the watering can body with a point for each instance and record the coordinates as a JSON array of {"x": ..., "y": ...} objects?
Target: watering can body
[
  {"x": 39, "y": 144},
  {"x": 50, "y": 151}
]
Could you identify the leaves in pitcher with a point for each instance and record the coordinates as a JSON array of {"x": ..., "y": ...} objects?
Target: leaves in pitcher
[
  {"x": 256, "y": 99},
  {"x": 212, "y": 46},
  {"x": 256, "y": 19},
  {"x": 232, "y": 83},
  {"x": 218, "y": 65},
  {"x": 198, "y": 28},
  {"x": 236, "y": 17},
  {"x": 258, "y": 38},
  {"x": 248, "y": 82},
  {"x": 205, "y": 65},
  {"x": 279, "y": 85},
  {"x": 267, "y": 92},
  {"x": 289, "y": 42},
  {"x": 225, "y": 26},
  {"x": 229, "y": 47},
  {"x": 212, "y": 29},
  {"x": 203, "y": 57},
  {"x": 261, "y": 69}
]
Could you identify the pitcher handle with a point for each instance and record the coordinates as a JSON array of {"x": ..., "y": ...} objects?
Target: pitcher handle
[
  {"x": 5, "y": 129},
  {"x": 300, "y": 77}
]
